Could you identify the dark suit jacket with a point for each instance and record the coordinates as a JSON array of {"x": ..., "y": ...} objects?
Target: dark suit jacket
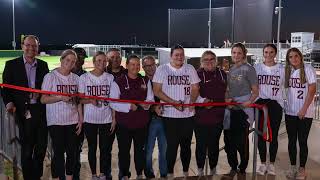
[{"x": 15, "y": 74}]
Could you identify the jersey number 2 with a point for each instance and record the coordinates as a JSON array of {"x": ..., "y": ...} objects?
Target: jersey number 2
[{"x": 300, "y": 94}]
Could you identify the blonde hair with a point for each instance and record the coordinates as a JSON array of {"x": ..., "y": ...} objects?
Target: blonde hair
[
  {"x": 66, "y": 53},
  {"x": 208, "y": 52},
  {"x": 243, "y": 49},
  {"x": 288, "y": 67}
]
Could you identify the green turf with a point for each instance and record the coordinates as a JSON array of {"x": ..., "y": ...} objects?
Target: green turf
[
  {"x": 53, "y": 62},
  {"x": 8, "y": 171}
]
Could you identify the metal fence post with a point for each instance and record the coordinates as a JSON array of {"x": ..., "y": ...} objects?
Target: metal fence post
[
  {"x": 255, "y": 142},
  {"x": 206, "y": 165},
  {"x": 1, "y": 143},
  {"x": 13, "y": 142}
]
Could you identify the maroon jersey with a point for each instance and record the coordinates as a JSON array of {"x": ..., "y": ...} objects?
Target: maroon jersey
[{"x": 213, "y": 86}]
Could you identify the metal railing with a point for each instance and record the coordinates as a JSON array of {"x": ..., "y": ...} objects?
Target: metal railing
[
  {"x": 261, "y": 45},
  {"x": 10, "y": 148},
  {"x": 316, "y": 65},
  {"x": 256, "y": 132},
  {"x": 316, "y": 45},
  {"x": 9, "y": 145}
]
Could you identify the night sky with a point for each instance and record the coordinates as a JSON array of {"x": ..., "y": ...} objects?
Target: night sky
[{"x": 118, "y": 21}]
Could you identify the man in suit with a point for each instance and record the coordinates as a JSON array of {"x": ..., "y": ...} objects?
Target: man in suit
[{"x": 28, "y": 71}]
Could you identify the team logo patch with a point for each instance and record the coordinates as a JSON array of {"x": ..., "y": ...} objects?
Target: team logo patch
[{"x": 237, "y": 77}]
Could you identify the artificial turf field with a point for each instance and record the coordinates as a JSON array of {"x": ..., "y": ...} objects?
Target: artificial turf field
[{"x": 53, "y": 62}]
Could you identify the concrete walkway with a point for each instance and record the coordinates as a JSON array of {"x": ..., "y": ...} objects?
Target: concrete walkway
[{"x": 282, "y": 161}]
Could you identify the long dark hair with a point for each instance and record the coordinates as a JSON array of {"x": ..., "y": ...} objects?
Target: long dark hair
[
  {"x": 274, "y": 47},
  {"x": 177, "y": 46}
]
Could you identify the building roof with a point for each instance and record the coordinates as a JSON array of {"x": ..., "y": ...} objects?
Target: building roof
[{"x": 197, "y": 52}]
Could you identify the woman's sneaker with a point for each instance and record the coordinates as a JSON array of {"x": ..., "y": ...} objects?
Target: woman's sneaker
[
  {"x": 103, "y": 177},
  {"x": 170, "y": 176},
  {"x": 271, "y": 170},
  {"x": 140, "y": 176},
  {"x": 262, "y": 170},
  {"x": 292, "y": 172},
  {"x": 301, "y": 174},
  {"x": 231, "y": 174},
  {"x": 200, "y": 172},
  {"x": 95, "y": 177},
  {"x": 213, "y": 171}
]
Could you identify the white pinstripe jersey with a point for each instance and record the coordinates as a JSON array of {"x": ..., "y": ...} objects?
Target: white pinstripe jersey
[
  {"x": 176, "y": 83},
  {"x": 92, "y": 85},
  {"x": 271, "y": 82},
  {"x": 297, "y": 92},
  {"x": 61, "y": 113}
]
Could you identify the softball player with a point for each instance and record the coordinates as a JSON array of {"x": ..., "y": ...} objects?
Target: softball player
[
  {"x": 177, "y": 82},
  {"x": 300, "y": 81},
  {"x": 64, "y": 115},
  {"x": 98, "y": 115},
  {"x": 270, "y": 79}
]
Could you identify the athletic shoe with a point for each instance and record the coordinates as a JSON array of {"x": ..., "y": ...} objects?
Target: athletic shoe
[
  {"x": 170, "y": 175},
  {"x": 291, "y": 173},
  {"x": 262, "y": 170},
  {"x": 200, "y": 172},
  {"x": 213, "y": 171},
  {"x": 140, "y": 176},
  {"x": 95, "y": 177},
  {"x": 231, "y": 174},
  {"x": 301, "y": 174},
  {"x": 271, "y": 170},
  {"x": 102, "y": 177}
]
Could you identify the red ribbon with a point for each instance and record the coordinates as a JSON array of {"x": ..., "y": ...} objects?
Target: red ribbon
[{"x": 31, "y": 90}]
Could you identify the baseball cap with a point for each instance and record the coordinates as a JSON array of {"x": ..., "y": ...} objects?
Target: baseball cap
[{"x": 80, "y": 51}]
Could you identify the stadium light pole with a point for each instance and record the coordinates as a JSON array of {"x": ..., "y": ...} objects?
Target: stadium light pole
[
  {"x": 209, "y": 25},
  {"x": 169, "y": 29},
  {"x": 278, "y": 11},
  {"x": 232, "y": 26},
  {"x": 13, "y": 28}
]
